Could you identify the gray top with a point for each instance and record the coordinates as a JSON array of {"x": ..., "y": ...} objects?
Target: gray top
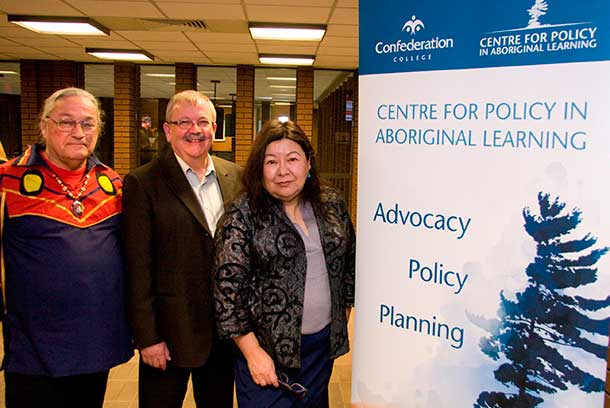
[{"x": 316, "y": 303}]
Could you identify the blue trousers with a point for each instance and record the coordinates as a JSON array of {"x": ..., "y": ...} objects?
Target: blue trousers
[{"x": 314, "y": 374}]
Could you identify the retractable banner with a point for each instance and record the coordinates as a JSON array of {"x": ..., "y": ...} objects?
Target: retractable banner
[{"x": 483, "y": 272}]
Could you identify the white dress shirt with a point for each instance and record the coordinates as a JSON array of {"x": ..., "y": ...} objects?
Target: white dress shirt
[{"x": 207, "y": 191}]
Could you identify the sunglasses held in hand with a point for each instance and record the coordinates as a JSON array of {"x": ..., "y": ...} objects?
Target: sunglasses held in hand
[{"x": 294, "y": 387}]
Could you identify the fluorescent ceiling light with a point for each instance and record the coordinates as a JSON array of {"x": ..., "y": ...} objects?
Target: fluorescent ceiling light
[
  {"x": 8, "y": 73},
  {"x": 281, "y": 79},
  {"x": 59, "y": 25},
  {"x": 120, "y": 55},
  {"x": 161, "y": 75},
  {"x": 282, "y": 103},
  {"x": 283, "y": 86},
  {"x": 289, "y": 32},
  {"x": 280, "y": 59}
]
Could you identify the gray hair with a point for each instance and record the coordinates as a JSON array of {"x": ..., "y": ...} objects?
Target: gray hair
[
  {"x": 192, "y": 97},
  {"x": 51, "y": 102}
]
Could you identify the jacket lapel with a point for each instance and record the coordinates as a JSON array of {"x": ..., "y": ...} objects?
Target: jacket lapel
[
  {"x": 179, "y": 185},
  {"x": 227, "y": 180}
]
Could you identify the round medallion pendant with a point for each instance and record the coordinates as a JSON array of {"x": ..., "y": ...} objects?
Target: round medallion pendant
[{"x": 77, "y": 208}]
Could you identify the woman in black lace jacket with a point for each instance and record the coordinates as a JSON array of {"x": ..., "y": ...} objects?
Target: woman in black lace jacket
[{"x": 284, "y": 280}]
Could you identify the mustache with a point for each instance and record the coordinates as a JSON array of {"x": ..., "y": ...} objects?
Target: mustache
[{"x": 195, "y": 137}]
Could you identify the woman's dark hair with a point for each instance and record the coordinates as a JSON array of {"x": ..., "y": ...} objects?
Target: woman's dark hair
[{"x": 252, "y": 178}]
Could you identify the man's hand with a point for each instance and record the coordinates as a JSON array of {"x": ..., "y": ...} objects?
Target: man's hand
[{"x": 156, "y": 355}]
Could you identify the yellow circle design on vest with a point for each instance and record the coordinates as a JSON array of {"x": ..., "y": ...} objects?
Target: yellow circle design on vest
[
  {"x": 32, "y": 182},
  {"x": 105, "y": 184}
]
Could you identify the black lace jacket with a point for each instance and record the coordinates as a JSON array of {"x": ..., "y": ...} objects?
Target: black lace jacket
[{"x": 260, "y": 275}]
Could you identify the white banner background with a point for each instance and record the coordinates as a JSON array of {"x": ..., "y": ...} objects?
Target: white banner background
[{"x": 394, "y": 367}]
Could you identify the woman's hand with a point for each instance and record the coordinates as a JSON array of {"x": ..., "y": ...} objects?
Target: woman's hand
[
  {"x": 262, "y": 368},
  {"x": 260, "y": 364}
]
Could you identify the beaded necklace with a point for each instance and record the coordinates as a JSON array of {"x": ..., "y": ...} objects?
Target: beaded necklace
[{"x": 77, "y": 206}]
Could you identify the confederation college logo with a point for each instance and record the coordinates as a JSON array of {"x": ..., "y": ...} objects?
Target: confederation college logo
[
  {"x": 412, "y": 26},
  {"x": 407, "y": 51},
  {"x": 539, "y": 35}
]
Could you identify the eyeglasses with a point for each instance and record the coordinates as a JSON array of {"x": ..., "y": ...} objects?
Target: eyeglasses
[
  {"x": 187, "y": 124},
  {"x": 68, "y": 125},
  {"x": 294, "y": 387}
]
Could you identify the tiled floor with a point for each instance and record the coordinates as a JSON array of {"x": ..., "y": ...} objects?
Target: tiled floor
[{"x": 122, "y": 391}]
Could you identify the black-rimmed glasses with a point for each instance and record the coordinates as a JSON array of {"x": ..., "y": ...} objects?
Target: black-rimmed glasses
[
  {"x": 68, "y": 125},
  {"x": 295, "y": 388},
  {"x": 187, "y": 124}
]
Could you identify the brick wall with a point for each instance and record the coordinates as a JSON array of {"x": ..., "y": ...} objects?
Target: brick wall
[
  {"x": 39, "y": 79},
  {"x": 244, "y": 113},
  {"x": 304, "y": 105},
  {"x": 186, "y": 77},
  {"x": 126, "y": 98}
]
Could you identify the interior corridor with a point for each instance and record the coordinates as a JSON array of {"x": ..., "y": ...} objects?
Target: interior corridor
[{"x": 122, "y": 391}]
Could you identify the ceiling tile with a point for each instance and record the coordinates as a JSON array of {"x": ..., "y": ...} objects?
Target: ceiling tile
[
  {"x": 288, "y": 14},
  {"x": 113, "y": 36},
  {"x": 202, "y": 11},
  {"x": 147, "y": 24},
  {"x": 159, "y": 45},
  {"x": 46, "y": 42},
  {"x": 191, "y": 57},
  {"x": 41, "y": 7},
  {"x": 347, "y": 3},
  {"x": 330, "y": 41},
  {"x": 13, "y": 30},
  {"x": 101, "y": 43},
  {"x": 67, "y": 53},
  {"x": 27, "y": 53},
  {"x": 323, "y": 61},
  {"x": 344, "y": 16},
  {"x": 221, "y": 38},
  {"x": 307, "y": 3},
  {"x": 341, "y": 30},
  {"x": 10, "y": 43},
  {"x": 144, "y": 35},
  {"x": 117, "y": 8},
  {"x": 239, "y": 58},
  {"x": 211, "y": 46},
  {"x": 207, "y": 2},
  {"x": 338, "y": 51}
]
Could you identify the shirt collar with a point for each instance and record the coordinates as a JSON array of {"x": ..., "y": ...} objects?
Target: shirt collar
[
  {"x": 185, "y": 167},
  {"x": 33, "y": 157}
]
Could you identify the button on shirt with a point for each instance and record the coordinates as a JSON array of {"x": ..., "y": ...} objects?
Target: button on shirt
[{"x": 207, "y": 192}]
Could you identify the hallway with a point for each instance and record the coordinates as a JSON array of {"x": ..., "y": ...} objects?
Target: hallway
[{"x": 122, "y": 391}]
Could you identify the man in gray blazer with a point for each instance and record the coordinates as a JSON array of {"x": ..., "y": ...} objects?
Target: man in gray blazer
[{"x": 170, "y": 209}]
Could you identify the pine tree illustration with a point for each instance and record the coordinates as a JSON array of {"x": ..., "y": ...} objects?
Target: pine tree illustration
[
  {"x": 538, "y": 10},
  {"x": 531, "y": 331}
]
